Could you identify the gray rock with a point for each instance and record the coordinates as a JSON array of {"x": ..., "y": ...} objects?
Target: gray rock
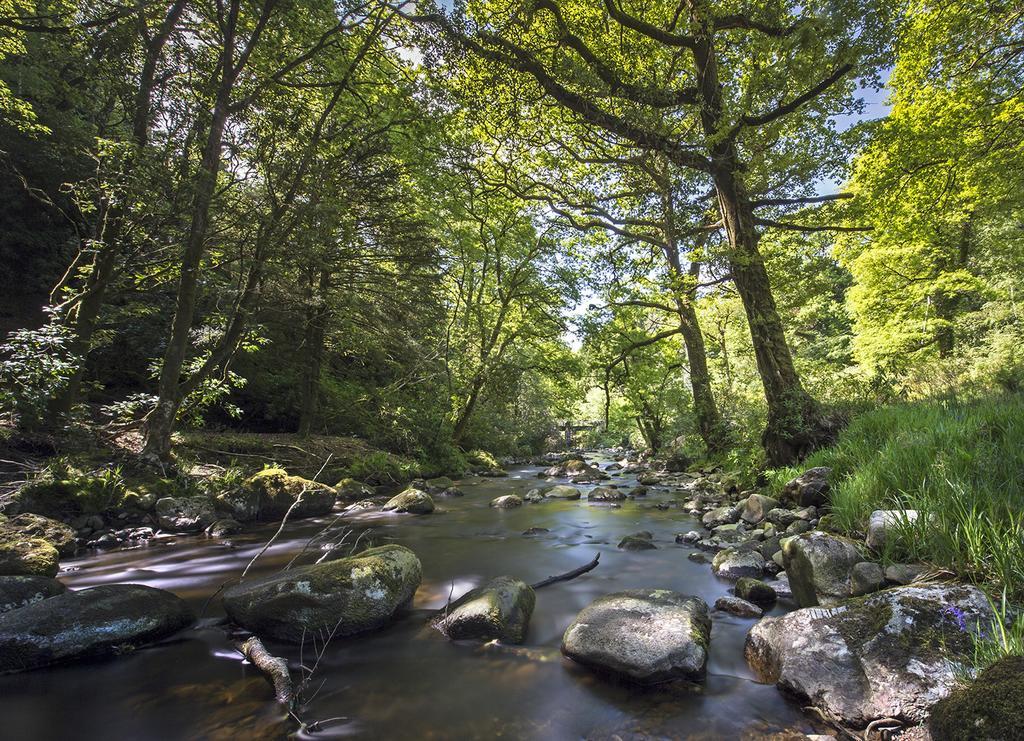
[
  {"x": 781, "y": 517},
  {"x": 639, "y": 491},
  {"x": 646, "y": 635},
  {"x": 809, "y": 488},
  {"x": 866, "y": 577},
  {"x": 270, "y": 495},
  {"x": 88, "y": 622},
  {"x": 534, "y": 495},
  {"x": 342, "y": 597},
  {"x": 721, "y": 516},
  {"x": 185, "y": 514},
  {"x": 438, "y": 484},
  {"x": 605, "y": 494},
  {"x": 453, "y": 491},
  {"x": 562, "y": 492},
  {"x": 734, "y": 564},
  {"x": 18, "y": 591},
  {"x": 351, "y": 490},
  {"x": 884, "y": 524},
  {"x": 509, "y": 501},
  {"x": 905, "y": 573},
  {"x": 782, "y": 586},
  {"x": 224, "y": 528},
  {"x": 757, "y": 508},
  {"x": 413, "y": 501},
  {"x": 797, "y": 527},
  {"x": 738, "y": 607},
  {"x": 500, "y": 610},
  {"x": 820, "y": 567},
  {"x": 892, "y": 654}
]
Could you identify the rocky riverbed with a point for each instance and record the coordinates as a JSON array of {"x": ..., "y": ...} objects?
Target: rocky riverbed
[{"x": 689, "y": 626}]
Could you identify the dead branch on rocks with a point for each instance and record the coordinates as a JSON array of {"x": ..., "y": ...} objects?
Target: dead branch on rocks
[{"x": 568, "y": 574}]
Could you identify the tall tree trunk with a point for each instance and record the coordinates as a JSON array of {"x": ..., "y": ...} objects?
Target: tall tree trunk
[
  {"x": 709, "y": 420},
  {"x": 313, "y": 344},
  {"x": 160, "y": 423},
  {"x": 796, "y": 424},
  {"x": 462, "y": 421}
]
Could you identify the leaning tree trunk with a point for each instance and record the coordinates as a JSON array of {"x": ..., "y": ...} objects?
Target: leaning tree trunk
[
  {"x": 796, "y": 424},
  {"x": 313, "y": 342}
]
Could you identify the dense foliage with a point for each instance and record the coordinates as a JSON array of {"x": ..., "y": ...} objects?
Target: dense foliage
[{"x": 445, "y": 230}]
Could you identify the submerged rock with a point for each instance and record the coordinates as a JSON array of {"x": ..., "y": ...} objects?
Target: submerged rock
[
  {"x": 499, "y": 610},
  {"x": 340, "y": 597},
  {"x": 413, "y": 501},
  {"x": 508, "y": 501},
  {"x": 88, "y": 622},
  {"x": 893, "y": 654},
  {"x": 19, "y": 591},
  {"x": 641, "y": 541},
  {"x": 820, "y": 567},
  {"x": 991, "y": 708},
  {"x": 269, "y": 495},
  {"x": 646, "y": 635},
  {"x": 185, "y": 514}
]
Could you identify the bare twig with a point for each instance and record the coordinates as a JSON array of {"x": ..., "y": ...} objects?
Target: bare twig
[{"x": 569, "y": 574}]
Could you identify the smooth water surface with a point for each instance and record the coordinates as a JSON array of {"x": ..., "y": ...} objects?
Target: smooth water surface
[{"x": 406, "y": 681}]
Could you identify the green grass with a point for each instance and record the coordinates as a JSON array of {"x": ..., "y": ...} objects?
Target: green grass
[{"x": 961, "y": 463}]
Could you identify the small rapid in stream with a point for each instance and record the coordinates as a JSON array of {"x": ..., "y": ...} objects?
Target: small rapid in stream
[{"x": 407, "y": 681}]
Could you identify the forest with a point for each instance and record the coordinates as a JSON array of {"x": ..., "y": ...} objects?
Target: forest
[{"x": 559, "y": 369}]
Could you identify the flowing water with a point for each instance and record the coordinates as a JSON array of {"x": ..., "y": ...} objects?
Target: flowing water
[{"x": 407, "y": 681}]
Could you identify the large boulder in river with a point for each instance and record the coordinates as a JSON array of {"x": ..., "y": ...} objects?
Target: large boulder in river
[
  {"x": 991, "y": 708},
  {"x": 88, "y": 622},
  {"x": 342, "y": 597},
  {"x": 811, "y": 488},
  {"x": 499, "y": 610},
  {"x": 646, "y": 635},
  {"x": 56, "y": 533},
  {"x": 893, "y": 654},
  {"x": 26, "y": 555},
  {"x": 19, "y": 591},
  {"x": 185, "y": 514},
  {"x": 605, "y": 494},
  {"x": 562, "y": 492},
  {"x": 270, "y": 494},
  {"x": 509, "y": 501},
  {"x": 413, "y": 501},
  {"x": 820, "y": 567}
]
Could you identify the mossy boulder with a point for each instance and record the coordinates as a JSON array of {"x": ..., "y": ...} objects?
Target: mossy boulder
[
  {"x": 26, "y": 555},
  {"x": 820, "y": 567},
  {"x": 509, "y": 501},
  {"x": 989, "y": 709},
  {"x": 412, "y": 501},
  {"x": 755, "y": 591},
  {"x": 342, "y": 597},
  {"x": 892, "y": 654},
  {"x": 268, "y": 496},
  {"x": 185, "y": 514},
  {"x": 733, "y": 564},
  {"x": 605, "y": 494},
  {"x": 88, "y": 622},
  {"x": 69, "y": 495},
  {"x": 351, "y": 490},
  {"x": 19, "y": 591},
  {"x": 642, "y": 541},
  {"x": 499, "y": 610},
  {"x": 644, "y": 635},
  {"x": 59, "y": 535},
  {"x": 562, "y": 491}
]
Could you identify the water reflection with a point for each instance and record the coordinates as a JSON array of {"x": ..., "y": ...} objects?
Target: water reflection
[{"x": 407, "y": 681}]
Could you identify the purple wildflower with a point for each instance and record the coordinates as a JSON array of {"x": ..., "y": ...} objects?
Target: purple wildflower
[{"x": 958, "y": 616}]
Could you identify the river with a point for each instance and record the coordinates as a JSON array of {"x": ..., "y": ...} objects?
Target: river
[{"x": 406, "y": 681}]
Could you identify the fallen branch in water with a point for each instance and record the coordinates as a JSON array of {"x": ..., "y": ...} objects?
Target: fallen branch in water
[
  {"x": 273, "y": 667},
  {"x": 568, "y": 574}
]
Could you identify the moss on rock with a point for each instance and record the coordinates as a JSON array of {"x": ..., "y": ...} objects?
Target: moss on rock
[
  {"x": 269, "y": 494},
  {"x": 989, "y": 709}
]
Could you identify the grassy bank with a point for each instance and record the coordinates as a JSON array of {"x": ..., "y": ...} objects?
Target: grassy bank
[{"x": 961, "y": 463}]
